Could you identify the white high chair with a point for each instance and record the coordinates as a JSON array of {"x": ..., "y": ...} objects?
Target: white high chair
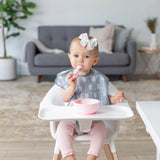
[{"x": 53, "y": 97}]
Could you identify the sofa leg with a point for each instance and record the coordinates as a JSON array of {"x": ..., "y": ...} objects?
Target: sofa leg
[
  {"x": 39, "y": 79},
  {"x": 124, "y": 78}
]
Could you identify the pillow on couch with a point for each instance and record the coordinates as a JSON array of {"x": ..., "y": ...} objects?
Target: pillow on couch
[
  {"x": 104, "y": 36},
  {"x": 121, "y": 36}
]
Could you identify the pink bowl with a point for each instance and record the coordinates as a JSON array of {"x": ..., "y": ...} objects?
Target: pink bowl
[{"x": 86, "y": 106}]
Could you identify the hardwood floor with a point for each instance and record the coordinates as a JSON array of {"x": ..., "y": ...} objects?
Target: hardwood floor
[{"x": 127, "y": 150}]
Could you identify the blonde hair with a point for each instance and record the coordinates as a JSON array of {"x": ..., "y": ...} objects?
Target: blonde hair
[{"x": 93, "y": 51}]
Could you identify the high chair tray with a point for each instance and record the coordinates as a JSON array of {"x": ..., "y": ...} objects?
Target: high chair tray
[{"x": 109, "y": 112}]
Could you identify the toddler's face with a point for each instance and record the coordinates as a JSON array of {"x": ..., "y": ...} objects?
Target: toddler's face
[{"x": 79, "y": 55}]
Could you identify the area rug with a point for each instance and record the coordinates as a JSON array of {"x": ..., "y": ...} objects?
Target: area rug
[{"x": 19, "y": 104}]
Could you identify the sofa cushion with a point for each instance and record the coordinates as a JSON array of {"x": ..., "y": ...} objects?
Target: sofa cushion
[
  {"x": 120, "y": 59},
  {"x": 59, "y": 36},
  {"x": 104, "y": 36},
  {"x": 51, "y": 59},
  {"x": 48, "y": 60}
]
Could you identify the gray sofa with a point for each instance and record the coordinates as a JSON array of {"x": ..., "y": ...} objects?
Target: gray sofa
[{"x": 122, "y": 63}]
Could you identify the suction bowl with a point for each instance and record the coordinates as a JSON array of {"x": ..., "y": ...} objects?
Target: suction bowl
[{"x": 86, "y": 106}]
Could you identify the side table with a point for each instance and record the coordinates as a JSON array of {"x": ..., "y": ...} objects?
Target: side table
[
  {"x": 149, "y": 64},
  {"x": 149, "y": 112}
]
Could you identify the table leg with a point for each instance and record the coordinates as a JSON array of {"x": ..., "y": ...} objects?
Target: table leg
[
  {"x": 157, "y": 61},
  {"x": 158, "y": 154},
  {"x": 148, "y": 65}
]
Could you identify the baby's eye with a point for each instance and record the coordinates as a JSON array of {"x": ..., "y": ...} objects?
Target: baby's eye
[
  {"x": 86, "y": 56},
  {"x": 76, "y": 55}
]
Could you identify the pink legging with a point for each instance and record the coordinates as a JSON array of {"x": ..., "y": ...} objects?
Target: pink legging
[{"x": 65, "y": 131}]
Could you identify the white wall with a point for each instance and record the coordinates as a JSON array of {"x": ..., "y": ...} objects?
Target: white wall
[{"x": 86, "y": 12}]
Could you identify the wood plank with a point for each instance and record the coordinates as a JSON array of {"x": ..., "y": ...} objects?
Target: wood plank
[{"x": 127, "y": 150}]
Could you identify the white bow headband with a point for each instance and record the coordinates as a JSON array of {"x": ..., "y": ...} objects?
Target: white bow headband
[{"x": 86, "y": 41}]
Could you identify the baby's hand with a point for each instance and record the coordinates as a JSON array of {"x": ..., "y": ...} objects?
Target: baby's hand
[
  {"x": 118, "y": 98},
  {"x": 72, "y": 80}
]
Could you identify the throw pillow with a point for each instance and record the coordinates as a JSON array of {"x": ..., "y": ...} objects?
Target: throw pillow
[
  {"x": 104, "y": 36},
  {"x": 121, "y": 36}
]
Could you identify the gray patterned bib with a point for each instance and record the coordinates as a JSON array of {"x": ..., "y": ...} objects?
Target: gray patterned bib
[{"x": 92, "y": 85}]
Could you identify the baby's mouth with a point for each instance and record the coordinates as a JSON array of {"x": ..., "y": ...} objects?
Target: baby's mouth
[
  {"x": 77, "y": 70},
  {"x": 79, "y": 67}
]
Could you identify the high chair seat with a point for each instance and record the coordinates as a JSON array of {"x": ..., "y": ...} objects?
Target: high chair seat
[
  {"x": 109, "y": 146},
  {"x": 53, "y": 97}
]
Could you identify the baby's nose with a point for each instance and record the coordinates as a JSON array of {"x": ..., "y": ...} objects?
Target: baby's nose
[{"x": 80, "y": 60}]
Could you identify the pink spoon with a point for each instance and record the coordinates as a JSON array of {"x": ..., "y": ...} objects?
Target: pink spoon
[{"x": 76, "y": 71}]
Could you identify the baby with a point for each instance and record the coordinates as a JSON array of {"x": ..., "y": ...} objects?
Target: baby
[{"x": 88, "y": 83}]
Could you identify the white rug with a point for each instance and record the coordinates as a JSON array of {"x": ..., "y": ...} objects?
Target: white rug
[{"x": 19, "y": 104}]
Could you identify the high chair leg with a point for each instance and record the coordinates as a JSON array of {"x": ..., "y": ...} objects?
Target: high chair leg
[
  {"x": 115, "y": 156},
  {"x": 57, "y": 152},
  {"x": 57, "y": 156},
  {"x": 113, "y": 150},
  {"x": 108, "y": 152}
]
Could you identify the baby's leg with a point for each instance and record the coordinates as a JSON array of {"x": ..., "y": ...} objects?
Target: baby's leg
[
  {"x": 98, "y": 134},
  {"x": 64, "y": 135}
]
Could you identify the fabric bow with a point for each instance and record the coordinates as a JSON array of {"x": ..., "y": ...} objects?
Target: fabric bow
[{"x": 85, "y": 41}]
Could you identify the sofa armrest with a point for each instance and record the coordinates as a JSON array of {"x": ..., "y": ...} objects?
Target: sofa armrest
[
  {"x": 131, "y": 50},
  {"x": 31, "y": 51}
]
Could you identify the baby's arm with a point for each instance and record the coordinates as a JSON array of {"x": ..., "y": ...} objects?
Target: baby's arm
[
  {"x": 119, "y": 97},
  {"x": 68, "y": 93}
]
